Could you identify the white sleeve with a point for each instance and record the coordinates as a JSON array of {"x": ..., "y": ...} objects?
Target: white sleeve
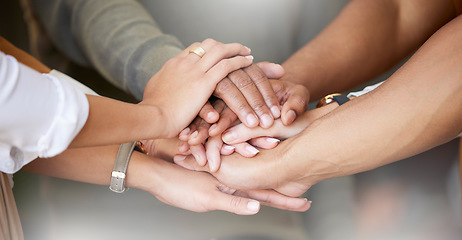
[{"x": 40, "y": 115}]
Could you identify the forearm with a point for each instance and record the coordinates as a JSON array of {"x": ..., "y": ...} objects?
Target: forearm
[
  {"x": 92, "y": 165},
  {"x": 418, "y": 108},
  {"x": 113, "y": 122},
  {"x": 367, "y": 38}
]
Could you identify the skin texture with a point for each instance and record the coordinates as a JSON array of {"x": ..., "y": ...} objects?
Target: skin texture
[
  {"x": 417, "y": 108},
  {"x": 165, "y": 180},
  {"x": 168, "y": 182}
]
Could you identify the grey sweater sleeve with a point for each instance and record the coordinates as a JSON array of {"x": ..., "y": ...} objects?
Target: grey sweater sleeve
[{"x": 119, "y": 38}]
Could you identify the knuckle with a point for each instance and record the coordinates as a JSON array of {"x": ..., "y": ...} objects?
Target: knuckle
[
  {"x": 242, "y": 81},
  {"x": 299, "y": 101},
  {"x": 225, "y": 65},
  {"x": 258, "y": 77},
  {"x": 235, "y": 202},
  {"x": 209, "y": 41},
  {"x": 223, "y": 87}
]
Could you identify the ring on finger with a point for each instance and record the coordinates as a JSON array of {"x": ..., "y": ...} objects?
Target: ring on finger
[{"x": 198, "y": 51}]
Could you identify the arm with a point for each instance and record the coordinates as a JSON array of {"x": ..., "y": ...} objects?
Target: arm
[
  {"x": 368, "y": 37},
  {"x": 168, "y": 182},
  {"x": 118, "y": 38},
  {"x": 123, "y": 42},
  {"x": 418, "y": 108}
]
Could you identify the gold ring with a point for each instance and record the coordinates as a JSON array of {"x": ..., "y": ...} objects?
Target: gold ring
[{"x": 198, "y": 51}]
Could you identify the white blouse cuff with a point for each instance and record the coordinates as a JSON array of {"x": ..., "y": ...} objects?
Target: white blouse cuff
[{"x": 71, "y": 115}]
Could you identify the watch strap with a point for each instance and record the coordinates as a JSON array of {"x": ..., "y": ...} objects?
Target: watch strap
[
  {"x": 120, "y": 167},
  {"x": 340, "y": 99}
]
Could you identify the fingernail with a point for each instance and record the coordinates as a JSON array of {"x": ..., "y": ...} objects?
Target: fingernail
[
  {"x": 276, "y": 112},
  {"x": 310, "y": 201},
  {"x": 211, "y": 115},
  {"x": 179, "y": 158},
  {"x": 252, "y": 121},
  {"x": 229, "y": 136},
  {"x": 252, "y": 150},
  {"x": 291, "y": 115},
  {"x": 229, "y": 147},
  {"x": 212, "y": 127},
  {"x": 266, "y": 121},
  {"x": 253, "y": 206},
  {"x": 249, "y": 57},
  {"x": 273, "y": 140},
  {"x": 194, "y": 134},
  {"x": 212, "y": 165},
  {"x": 185, "y": 131},
  {"x": 250, "y": 50}
]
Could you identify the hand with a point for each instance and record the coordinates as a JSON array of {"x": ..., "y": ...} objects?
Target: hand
[
  {"x": 240, "y": 133},
  {"x": 191, "y": 79},
  {"x": 249, "y": 94},
  {"x": 267, "y": 170},
  {"x": 201, "y": 192},
  {"x": 166, "y": 148},
  {"x": 207, "y": 148}
]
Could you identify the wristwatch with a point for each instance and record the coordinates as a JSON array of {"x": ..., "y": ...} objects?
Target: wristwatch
[
  {"x": 118, "y": 174},
  {"x": 335, "y": 97}
]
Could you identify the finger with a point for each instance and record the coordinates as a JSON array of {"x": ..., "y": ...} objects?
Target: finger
[
  {"x": 271, "y": 70},
  {"x": 201, "y": 134},
  {"x": 189, "y": 162},
  {"x": 235, "y": 204},
  {"x": 236, "y": 101},
  {"x": 227, "y": 118},
  {"x": 246, "y": 150},
  {"x": 247, "y": 85},
  {"x": 264, "y": 142},
  {"x": 226, "y": 66},
  {"x": 216, "y": 51},
  {"x": 295, "y": 104},
  {"x": 261, "y": 81},
  {"x": 227, "y": 149},
  {"x": 274, "y": 199},
  {"x": 184, "y": 135},
  {"x": 213, "y": 147},
  {"x": 209, "y": 114},
  {"x": 183, "y": 148},
  {"x": 240, "y": 133},
  {"x": 198, "y": 151}
]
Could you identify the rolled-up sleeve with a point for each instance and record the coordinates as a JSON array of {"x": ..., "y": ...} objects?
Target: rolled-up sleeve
[{"x": 39, "y": 114}]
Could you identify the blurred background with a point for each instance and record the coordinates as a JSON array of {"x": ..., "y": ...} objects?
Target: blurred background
[{"x": 417, "y": 198}]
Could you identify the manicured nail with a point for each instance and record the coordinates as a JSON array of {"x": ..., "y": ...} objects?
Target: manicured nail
[
  {"x": 212, "y": 165},
  {"x": 253, "y": 206},
  {"x": 252, "y": 121},
  {"x": 252, "y": 150},
  {"x": 229, "y": 147},
  {"x": 291, "y": 115},
  {"x": 276, "y": 112},
  {"x": 266, "y": 120},
  {"x": 185, "y": 131},
  {"x": 212, "y": 127},
  {"x": 179, "y": 158},
  {"x": 273, "y": 140},
  {"x": 194, "y": 134},
  {"x": 229, "y": 136},
  {"x": 249, "y": 57},
  {"x": 211, "y": 115}
]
